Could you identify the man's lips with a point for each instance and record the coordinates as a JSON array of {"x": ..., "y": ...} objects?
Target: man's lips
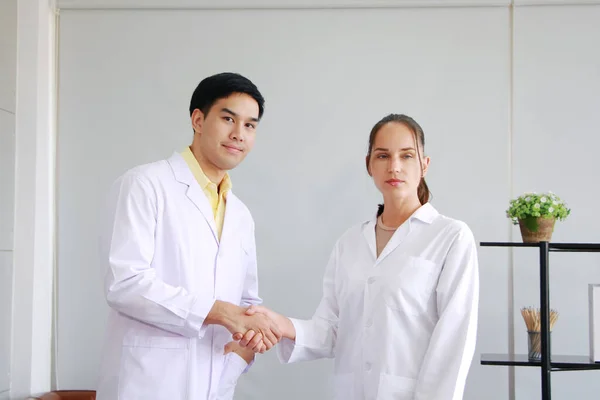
[{"x": 232, "y": 149}]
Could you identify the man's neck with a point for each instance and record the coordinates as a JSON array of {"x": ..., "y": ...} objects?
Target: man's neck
[{"x": 214, "y": 174}]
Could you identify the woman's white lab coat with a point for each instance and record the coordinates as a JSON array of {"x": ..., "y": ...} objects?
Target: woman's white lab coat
[
  {"x": 401, "y": 326},
  {"x": 164, "y": 270}
]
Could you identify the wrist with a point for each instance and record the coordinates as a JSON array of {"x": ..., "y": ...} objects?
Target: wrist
[
  {"x": 224, "y": 314},
  {"x": 289, "y": 331},
  {"x": 247, "y": 355}
]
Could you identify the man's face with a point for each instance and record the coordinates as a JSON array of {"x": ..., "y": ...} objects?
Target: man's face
[{"x": 225, "y": 135}]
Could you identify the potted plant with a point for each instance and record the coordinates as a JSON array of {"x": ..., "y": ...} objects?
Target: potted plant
[{"x": 536, "y": 214}]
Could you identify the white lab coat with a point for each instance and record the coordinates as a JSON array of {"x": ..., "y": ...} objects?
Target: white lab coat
[
  {"x": 164, "y": 270},
  {"x": 401, "y": 326}
]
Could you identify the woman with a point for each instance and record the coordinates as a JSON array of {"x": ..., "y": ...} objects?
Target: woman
[{"x": 399, "y": 308}]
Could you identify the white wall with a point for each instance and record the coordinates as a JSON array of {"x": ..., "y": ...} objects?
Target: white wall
[
  {"x": 328, "y": 76},
  {"x": 8, "y": 84},
  {"x": 555, "y": 97},
  {"x": 556, "y": 141}
]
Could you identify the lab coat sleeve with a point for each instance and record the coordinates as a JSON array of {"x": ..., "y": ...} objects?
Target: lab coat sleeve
[
  {"x": 131, "y": 284},
  {"x": 234, "y": 367},
  {"x": 250, "y": 293},
  {"x": 448, "y": 358},
  {"x": 315, "y": 338}
]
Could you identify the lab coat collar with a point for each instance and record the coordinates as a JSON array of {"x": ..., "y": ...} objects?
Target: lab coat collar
[
  {"x": 233, "y": 217},
  {"x": 194, "y": 192},
  {"x": 426, "y": 213}
]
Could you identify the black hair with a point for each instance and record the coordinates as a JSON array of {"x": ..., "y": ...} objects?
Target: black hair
[{"x": 220, "y": 86}]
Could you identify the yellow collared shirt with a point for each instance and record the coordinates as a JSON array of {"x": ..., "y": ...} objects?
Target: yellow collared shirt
[{"x": 217, "y": 197}]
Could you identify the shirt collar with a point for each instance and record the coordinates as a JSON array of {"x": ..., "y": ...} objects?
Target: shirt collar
[
  {"x": 200, "y": 176},
  {"x": 225, "y": 185}
]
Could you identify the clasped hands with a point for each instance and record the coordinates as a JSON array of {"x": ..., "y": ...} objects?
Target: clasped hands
[{"x": 258, "y": 329}]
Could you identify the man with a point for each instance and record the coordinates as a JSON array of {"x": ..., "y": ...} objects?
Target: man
[{"x": 180, "y": 254}]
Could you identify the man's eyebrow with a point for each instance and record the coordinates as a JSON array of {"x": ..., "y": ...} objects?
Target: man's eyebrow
[{"x": 228, "y": 111}]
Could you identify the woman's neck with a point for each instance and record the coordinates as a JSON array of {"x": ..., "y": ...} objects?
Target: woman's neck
[{"x": 397, "y": 211}]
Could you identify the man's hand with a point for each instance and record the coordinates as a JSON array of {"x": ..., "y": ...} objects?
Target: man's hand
[
  {"x": 262, "y": 331},
  {"x": 284, "y": 325},
  {"x": 244, "y": 352}
]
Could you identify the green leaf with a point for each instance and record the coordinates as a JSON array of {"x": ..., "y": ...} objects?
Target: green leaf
[{"x": 523, "y": 207}]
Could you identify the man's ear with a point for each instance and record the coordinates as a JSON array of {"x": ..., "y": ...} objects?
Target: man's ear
[{"x": 197, "y": 120}]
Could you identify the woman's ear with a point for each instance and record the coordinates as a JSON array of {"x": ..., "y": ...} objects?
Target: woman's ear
[
  {"x": 425, "y": 165},
  {"x": 368, "y": 166}
]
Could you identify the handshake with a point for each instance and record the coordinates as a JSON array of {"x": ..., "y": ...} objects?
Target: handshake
[{"x": 256, "y": 330}]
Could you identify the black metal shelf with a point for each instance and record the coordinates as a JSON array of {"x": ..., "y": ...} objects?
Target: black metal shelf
[
  {"x": 568, "y": 247},
  {"x": 558, "y": 362},
  {"x": 548, "y": 363}
]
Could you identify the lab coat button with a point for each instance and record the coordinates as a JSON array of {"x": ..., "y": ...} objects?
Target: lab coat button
[
  {"x": 368, "y": 366},
  {"x": 371, "y": 280},
  {"x": 369, "y": 323}
]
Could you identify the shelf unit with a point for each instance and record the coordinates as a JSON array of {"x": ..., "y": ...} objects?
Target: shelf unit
[{"x": 548, "y": 362}]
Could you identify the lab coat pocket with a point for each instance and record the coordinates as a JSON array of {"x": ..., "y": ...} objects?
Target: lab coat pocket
[
  {"x": 154, "y": 367},
  {"x": 343, "y": 387},
  {"x": 409, "y": 289},
  {"x": 392, "y": 387}
]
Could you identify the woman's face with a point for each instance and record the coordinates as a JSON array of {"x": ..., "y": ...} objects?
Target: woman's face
[{"x": 394, "y": 163}]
